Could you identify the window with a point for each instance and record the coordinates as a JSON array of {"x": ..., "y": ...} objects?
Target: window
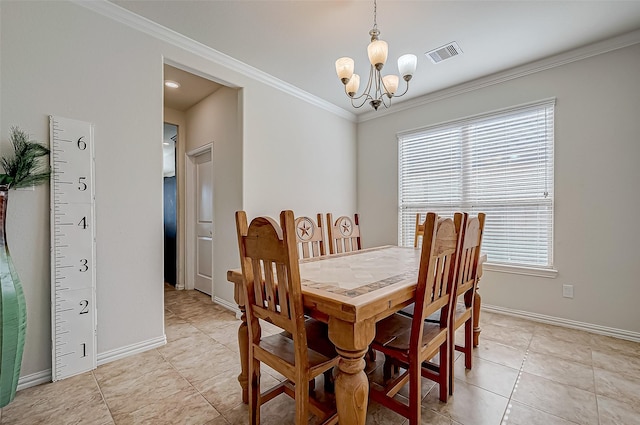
[{"x": 499, "y": 163}]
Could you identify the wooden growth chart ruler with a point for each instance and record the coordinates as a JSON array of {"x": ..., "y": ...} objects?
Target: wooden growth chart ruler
[{"x": 73, "y": 253}]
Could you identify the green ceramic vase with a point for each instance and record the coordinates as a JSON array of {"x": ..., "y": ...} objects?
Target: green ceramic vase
[{"x": 13, "y": 314}]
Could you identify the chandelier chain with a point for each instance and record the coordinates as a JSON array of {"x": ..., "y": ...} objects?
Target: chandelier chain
[{"x": 375, "y": 14}]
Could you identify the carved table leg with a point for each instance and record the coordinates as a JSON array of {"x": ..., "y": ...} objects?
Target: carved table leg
[
  {"x": 477, "y": 301},
  {"x": 243, "y": 343},
  {"x": 352, "y": 386}
]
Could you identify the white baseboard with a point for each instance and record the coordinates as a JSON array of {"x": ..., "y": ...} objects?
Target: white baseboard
[
  {"x": 44, "y": 376},
  {"x": 34, "y": 379},
  {"x": 129, "y": 350},
  {"x": 228, "y": 305},
  {"x": 558, "y": 321}
]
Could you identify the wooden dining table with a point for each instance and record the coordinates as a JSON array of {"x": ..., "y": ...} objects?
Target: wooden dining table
[{"x": 351, "y": 292}]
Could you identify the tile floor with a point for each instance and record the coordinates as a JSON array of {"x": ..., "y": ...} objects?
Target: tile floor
[{"x": 525, "y": 373}]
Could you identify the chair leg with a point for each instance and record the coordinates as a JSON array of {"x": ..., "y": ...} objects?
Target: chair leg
[
  {"x": 329, "y": 386},
  {"x": 371, "y": 354},
  {"x": 389, "y": 368},
  {"x": 445, "y": 372},
  {"x": 452, "y": 354},
  {"x": 254, "y": 392},
  {"x": 302, "y": 402},
  {"x": 468, "y": 344},
  {"x": 386, "y": 368},
  {"x": 415, "y": 392}
]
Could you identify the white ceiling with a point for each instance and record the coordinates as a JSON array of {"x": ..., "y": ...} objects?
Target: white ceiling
[{"x": 299, "y": 41}]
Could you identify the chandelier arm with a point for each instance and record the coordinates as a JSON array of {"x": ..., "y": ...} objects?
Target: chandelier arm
[
  {"x": 385, "y": 103},
  {"x": 404, "y": 92},
  {"x": 384, "y": 93},
  {"x": 360, "y": 105},
  {"x": 347, "y": 93},
  {"x": 366, "y": 93},
  {"x": 379, "y": 84},
  {"x": 383, "y": 86},
  {"x": 366, "y": 96},
  {"x": 367, "y": 89}
]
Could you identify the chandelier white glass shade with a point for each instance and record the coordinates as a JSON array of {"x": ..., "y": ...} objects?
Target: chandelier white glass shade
[{"x": 379, "y": 89}]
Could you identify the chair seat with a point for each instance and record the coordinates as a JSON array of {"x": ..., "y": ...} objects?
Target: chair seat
[
  {"x": 462, "y": 312},
  {"x": 394, "y": 332},
  {"x": 281, "y": 346},
  {"x": 318, "y": 341},
  {"x": 317, "y": 337},
  {"x": 408, "y": 311}
]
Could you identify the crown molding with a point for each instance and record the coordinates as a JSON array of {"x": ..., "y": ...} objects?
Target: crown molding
[
  {"x": 560, "y": 59},
  {"x": 126, "y": 17},
  {"x": 155, "y": 30}
]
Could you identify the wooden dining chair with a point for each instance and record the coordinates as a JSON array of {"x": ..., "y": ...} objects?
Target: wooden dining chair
[
  {"x": 468, "y": 260},
  {"x": 311, "y": 243},
  {"x": 419, "y": 230},
  {"x": 344, "y": 234},
  {"x": 273, "y": 293},
  {"x": 468, "y": 263},
  {"x": 310, "y": 237},
  {"x": 412, "y": 342}
]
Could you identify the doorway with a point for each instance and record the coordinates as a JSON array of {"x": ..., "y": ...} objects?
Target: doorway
[
  {"x": 170, "y": 195},
  {"x": 181, "y": 100}
]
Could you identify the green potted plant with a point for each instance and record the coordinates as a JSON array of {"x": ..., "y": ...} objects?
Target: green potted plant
[{"x": 23, "y": 168}]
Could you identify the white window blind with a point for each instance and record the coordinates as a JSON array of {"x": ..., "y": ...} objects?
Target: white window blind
[{"x": 498, "y": 163}]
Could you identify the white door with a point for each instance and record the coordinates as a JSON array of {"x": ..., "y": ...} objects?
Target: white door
[{"x": 204, "y": 222}]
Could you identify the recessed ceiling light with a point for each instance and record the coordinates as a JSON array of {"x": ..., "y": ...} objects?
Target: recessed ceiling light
[{"x": 171, "y": 84}]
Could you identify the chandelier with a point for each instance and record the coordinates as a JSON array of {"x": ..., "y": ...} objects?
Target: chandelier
[{"x": 379, "y": 89}]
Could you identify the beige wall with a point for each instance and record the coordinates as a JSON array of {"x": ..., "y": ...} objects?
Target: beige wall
[
  {"x": 301, "y": 160},
  {"x": 596, "y": 178},
  {"x": 60, "y": 58}
]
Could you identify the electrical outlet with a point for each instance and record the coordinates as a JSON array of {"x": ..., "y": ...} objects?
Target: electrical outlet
[{"x": 567, "y": 291}]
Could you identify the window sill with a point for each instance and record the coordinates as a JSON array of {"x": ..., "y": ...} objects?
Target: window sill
[{"x": 528, "y": 271}]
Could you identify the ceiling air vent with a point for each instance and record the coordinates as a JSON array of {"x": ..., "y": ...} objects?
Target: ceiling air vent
[{"x": 444, "y": 52}]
